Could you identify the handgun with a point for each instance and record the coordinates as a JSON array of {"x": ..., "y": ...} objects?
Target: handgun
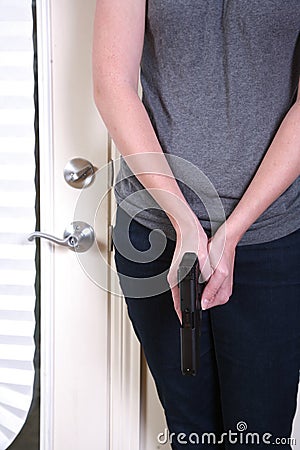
[{"x": 190, "y": 304}]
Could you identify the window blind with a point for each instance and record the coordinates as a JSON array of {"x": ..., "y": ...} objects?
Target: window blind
[{"x": 17, "y": 217}]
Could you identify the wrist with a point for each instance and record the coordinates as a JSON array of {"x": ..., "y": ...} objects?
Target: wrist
[
  {"x": 188, "y": 224},
  {"x": 234, "y": 232}
]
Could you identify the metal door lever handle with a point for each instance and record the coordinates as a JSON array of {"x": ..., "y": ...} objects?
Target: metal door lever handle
[
  {"x": 79, "y": 237},
  {"x": 49, "y": 237}
]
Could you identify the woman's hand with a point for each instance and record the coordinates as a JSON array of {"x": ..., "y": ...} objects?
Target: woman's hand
[
  {"x": 190, "y": 238},
  {"x": 222, "y": 256}
]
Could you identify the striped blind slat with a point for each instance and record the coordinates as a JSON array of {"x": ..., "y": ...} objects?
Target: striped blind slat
[{"x": 17, "y": 217}]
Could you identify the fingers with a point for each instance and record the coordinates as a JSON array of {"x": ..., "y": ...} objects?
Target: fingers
[
  {"x": 173, "y": 283},
  {"x": 176, "y": 300},
  {"x": 220, "y": 298},
  {"x": 217, "y": 291}
]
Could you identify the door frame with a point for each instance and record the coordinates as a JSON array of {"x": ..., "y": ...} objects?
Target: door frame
[{"x": 43, "y": 23}]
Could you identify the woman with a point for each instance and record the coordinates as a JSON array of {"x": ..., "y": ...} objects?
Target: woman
[{"x": 220, "y": 82}]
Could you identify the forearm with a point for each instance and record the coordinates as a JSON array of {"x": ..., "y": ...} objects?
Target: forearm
[
  {"x": 119, "y": 29},
  {"x": 131, "y": 129},
  {"x": 277, "y": 171}
]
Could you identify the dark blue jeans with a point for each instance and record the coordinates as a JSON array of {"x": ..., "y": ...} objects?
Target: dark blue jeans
[{"x": 250, "y": 347}]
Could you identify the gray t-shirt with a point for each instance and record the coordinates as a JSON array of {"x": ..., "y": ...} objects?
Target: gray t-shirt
[{"x": 218, "y": 77}]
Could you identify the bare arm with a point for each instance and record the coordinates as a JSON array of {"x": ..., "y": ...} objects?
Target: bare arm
[
  {"x": 277, "y": 171},
  {"x": 118, "y": 43}
]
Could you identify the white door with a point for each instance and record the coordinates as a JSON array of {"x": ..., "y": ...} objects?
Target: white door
[
  {"x": 75, "y": 328},
  {"x": 90, "y": 382}
]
